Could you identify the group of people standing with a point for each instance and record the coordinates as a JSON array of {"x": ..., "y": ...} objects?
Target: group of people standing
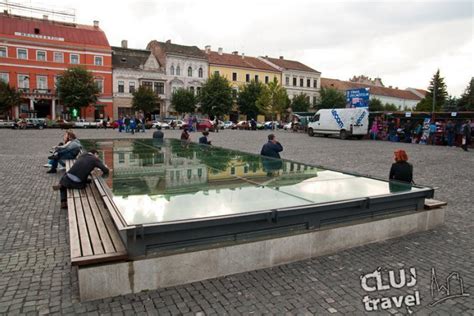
[{"x": 131, "y": 124}]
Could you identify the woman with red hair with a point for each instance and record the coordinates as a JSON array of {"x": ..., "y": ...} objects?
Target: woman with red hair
[{"x": 401, "y": 170}]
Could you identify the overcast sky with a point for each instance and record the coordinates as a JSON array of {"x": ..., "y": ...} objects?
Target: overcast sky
[{"x": 402, "y": 42}]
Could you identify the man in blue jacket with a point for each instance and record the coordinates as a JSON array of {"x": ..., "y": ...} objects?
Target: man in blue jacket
[{"x": 271, "y": 148}]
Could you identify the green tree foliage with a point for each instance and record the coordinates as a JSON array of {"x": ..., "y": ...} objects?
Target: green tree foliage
[
  {"x": 9, "y": 96},
  {"x": 144, "y": 99},
  {"x": 273, "y": 100},
  {"x": 438, "y": 88},
  {"x": 247, "y": 99},
  {"x": 331, "y": 98},
  {"x": 300, "y": 103},
  {"x": 216, "y": 96},
  {"x": 375, "y": 105},
  {"x": 183, "y": 101},
  {"x": 451, "y": 104},
  {"x": 391, "y": 107},
  {"x": 466, "y": 102},
  {"x": 76, "y": 87}
]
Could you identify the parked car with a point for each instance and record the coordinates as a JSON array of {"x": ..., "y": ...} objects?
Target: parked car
[
  {"x": 260, "y": 125},
  {"x": 203, "y": 125},
  {"x": 271, "y": 125},
  {"x": 86, "y": 124},
  {"x": 242, "y": 125},
  {"x": 63, "y": 124},
  {"x": 287, "y": 126},
  {"x": 7, "y": 124},
  {"x": 228, "y": 124},
  {"x": 38, "y": 123},
  {"x": 163, "y": 125}
]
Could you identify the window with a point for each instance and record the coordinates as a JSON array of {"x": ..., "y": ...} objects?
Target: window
[
  {"x": 232, "y": 170},
  {"x": 100, "y": 84},
  {"x": 22, "y": 53},
  {"x": 246, "y": 169},
  {"x": 148, "y": 85},
  {"x": 41, "y": 82},
  {"x": 159, "y": 88},
  {"x": 189, "y": 173},
  {"x": 23, "y": 81},
  {"x": 294, "y": 82},
  {"x": 58, "y": 57},
  {"x": 199, "y": 172},
  {"x": 4, "y": 77},
  {"x": 301, "y": 82},
  {"x": 308, "y": 83},
  {"x": 121, "y": 87},
  {"x": 121, "y": 157},
  {"x": 41, "y": 55},
  {"x": 198, "y": 90},
  {"x": 3, "y": 51},
  {"x": 234, "y": 93},
  {"x": 74, "y": 59},
  {"x": 256, "y": 78},
  {"x": 172, "y": 70},
  {"x": 174, "y": 89},
  {"x": 190, "y": 72},
  {"x": 316, "y": 118},
  {"x": 131, "y": 87},
  {"x": 234, "y": 76},
  {"x": 200, "y": 73},
  {"x": 56, "y": 80},
  {"x": 178, "y": 71},
  {"x": 216, "y": 73},
  {"x": 287, "y": 81},
  {"x": 191, "y": 89},
  {"x": 315, "y": 83},
  {"x": 247, "y": 78},
  {"x": 98, "y": 60}
]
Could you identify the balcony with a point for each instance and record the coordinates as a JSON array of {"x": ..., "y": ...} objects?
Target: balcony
[{"x": 37, "y": 93}]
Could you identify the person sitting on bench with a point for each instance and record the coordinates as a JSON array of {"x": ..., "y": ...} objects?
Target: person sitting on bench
[
  {"x": 77, "y": 176},
  {"x": 69, "y": 150}
]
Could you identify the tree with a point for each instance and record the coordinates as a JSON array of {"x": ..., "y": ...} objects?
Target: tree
[
  {"x": 247, "y": 98},
  {"x": 183, "y": 101},
  {"x": 466, "y": 102},
  {"x": 144, "y": 99},
  {"x": 76, "y": 87},
  {"x": 273, "y": 100},
  {"x": 300, "y": 103},
  {"x": 451, "y": 104},
  {"x": 216, "y": 96},
  {"x": 438, "y": 88},
  {"x": 9, "y": 96},
  {"x": 331, "y": 98},
  {"x": 391, "y": 107},
  {"x": 375, "y": 105}
]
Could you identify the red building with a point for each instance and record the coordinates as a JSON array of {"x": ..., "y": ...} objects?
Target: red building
[{"x": 34, "y": 52}]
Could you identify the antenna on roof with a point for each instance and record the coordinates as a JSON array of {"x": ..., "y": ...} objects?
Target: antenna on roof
[{"x": 64, "y": 15}]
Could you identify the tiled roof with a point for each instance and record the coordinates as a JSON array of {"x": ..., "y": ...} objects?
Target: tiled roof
[
  {"x": 129, "y": 58},
  {"x": 290, "y": 64},
  {"x": 71, "y": 32},
  {"x": 374, "y": 90},
  {"x": 170, "y": 48},
  {"x": 238, "y": 61}
]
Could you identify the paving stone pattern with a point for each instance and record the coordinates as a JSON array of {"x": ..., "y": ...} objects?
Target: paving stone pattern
[{"x": 36, "y": 276}]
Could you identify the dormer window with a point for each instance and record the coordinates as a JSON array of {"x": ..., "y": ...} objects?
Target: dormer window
[{"x": 37, "y": 30}]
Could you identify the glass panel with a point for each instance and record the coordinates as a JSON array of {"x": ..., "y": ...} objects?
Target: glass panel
[{"x": 170, "y": 181}]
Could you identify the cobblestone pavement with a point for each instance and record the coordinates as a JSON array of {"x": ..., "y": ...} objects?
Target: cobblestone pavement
[{"x": 36, "y": 276}]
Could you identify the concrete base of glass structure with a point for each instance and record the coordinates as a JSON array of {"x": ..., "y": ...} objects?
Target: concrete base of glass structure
[{"x": 107, "y": 280}]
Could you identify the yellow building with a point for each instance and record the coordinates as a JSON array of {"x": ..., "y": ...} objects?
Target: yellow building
[{"x": 240, "y": 69}]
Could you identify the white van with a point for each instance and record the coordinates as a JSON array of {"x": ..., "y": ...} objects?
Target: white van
[{"x": 341, "y": 122}]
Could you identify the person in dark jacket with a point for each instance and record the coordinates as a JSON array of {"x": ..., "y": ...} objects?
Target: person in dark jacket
[
  {"x": 466, "y": 135},
  {"x": 203, "y": 139},
  {"x": 271, "y": 148},
  {"x": 76, "y": 177},
  {"x": 401, "y": 170},
  {"x": 158, "y": 134}
]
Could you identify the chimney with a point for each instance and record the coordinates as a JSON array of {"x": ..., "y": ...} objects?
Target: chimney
[
  {"x": 96, "y": 23},
  {"x": 168, "y": 41},
  {"x": 124, "y": 44},
  {"x": 219, "y": 51},
  {"x": 390, "y": 87},
  {"x": 281, "y": 57},
  {"x": 235, "y": 52},
  {"x": 266, "y": 56},
  {"x": 45, "y": 17},
  {"x": 207, "y": 48},
  {"x": 243, "y": 55}
]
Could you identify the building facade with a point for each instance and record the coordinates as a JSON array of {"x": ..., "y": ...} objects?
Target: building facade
[
  {"x": 240, "y": 69},
  {"x": 184, "y": 67},
  {"x": 133, "y": 68},
  {"x": 403, "y": 99},
  {"x": 297, "y": 78},
  {"x": 33, "y": 54}
]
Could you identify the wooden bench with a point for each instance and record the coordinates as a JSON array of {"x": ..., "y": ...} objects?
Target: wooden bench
[
  {"x": 92, "y": 232},
  {"x": 432, "y": 204}
]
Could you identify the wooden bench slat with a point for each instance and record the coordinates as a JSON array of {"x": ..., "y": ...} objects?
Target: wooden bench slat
[
  {"x": 81, "y": 221},
  {"x": 88, "y": 260},
  {"x": 74, "y": 242},
  {"x": 431, "y": 204},
  {"x": 99, "y": 220},
  {"x": 112, "y": 230},
  {"x": 92, "y": 226}
]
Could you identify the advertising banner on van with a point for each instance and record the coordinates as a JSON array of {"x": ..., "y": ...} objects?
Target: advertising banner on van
[{"x": 357, "y": 98}]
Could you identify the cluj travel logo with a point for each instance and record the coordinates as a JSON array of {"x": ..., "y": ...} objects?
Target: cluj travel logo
[{"x": 383, "y": 280}]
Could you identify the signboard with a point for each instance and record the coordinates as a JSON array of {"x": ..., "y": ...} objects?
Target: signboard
[
  {"x": 407, "y": 114},
  {"x": 357, "y": 98}
]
